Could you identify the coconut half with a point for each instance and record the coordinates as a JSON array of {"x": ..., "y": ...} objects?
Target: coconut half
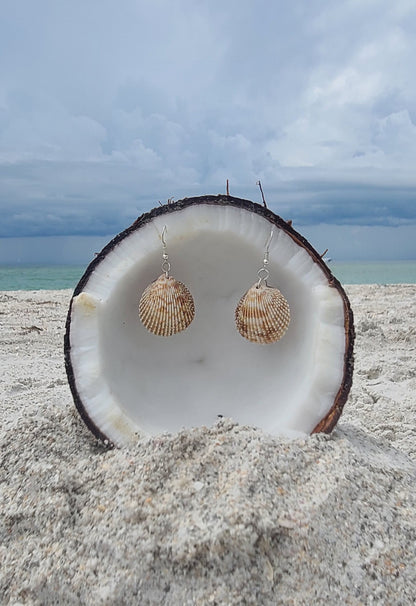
[{"x": 127, "y": 381}]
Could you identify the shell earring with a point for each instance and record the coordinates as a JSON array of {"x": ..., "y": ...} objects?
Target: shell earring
[
  {"x": 263, "y": 314},
  {"x": 166, "y": 305}
]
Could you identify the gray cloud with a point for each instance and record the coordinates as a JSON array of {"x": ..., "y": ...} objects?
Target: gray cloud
[{"x": 105, "y": 110}]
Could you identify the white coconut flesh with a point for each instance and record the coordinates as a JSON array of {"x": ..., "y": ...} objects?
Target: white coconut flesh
[{"x": 129, "y": 381}]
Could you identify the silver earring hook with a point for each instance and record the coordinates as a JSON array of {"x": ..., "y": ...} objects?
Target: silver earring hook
[
  {"x": 165, "y": 256},
  {"x": 163, "y": 234},
  {"x": 269, "y": 241},
  {"x": 263, "y": 272}
]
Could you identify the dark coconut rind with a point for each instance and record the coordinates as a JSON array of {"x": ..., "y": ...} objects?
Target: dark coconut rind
[
  {"x": 72, "y": 384},
  {"x": 327, "y": 424}
]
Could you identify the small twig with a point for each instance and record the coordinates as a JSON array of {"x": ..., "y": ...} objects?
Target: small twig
[
  {"x": 31, "y": 329},
  {"x": 262, "y": 194},
  {"x": 324, "y": 253}
]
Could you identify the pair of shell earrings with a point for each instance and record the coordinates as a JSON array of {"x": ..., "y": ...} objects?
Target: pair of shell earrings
[{"x": 167, "y": 306}]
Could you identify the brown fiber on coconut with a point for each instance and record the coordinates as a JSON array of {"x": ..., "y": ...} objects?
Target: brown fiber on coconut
[{"x": 127, "y": 381}]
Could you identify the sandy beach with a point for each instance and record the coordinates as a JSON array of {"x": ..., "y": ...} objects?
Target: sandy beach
[{"x": 223, "y": 515}]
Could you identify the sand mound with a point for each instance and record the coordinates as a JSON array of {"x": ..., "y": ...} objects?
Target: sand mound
[{"x": 220, "y": 515}]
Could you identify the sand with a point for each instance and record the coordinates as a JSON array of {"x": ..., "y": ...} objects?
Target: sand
[{"x": 220, "y": 515}]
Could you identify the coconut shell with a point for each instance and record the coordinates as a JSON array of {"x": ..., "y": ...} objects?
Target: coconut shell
[{"x": 210, "y": 370}]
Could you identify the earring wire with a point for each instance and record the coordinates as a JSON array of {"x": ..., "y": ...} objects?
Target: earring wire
[
  {"x": 165, "y": 256},
  {"x": 263, "y": 272}
]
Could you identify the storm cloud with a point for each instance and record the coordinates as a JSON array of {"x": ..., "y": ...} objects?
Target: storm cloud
[{"x": 106, "y": 108}]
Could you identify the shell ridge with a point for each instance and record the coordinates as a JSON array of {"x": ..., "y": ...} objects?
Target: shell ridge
[
  {"x": 262, "y": 314},
  {"x": 166, "y": 306}
]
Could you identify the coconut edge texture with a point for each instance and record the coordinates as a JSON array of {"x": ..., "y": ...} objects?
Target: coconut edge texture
[{"x": 330, "y": 419}]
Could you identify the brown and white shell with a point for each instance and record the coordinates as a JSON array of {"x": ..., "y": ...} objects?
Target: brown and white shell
[
  {"x": 166, "y": 306},
  {"x": 263, "y": 314}
]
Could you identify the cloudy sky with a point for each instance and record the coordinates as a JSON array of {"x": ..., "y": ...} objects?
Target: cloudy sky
[{"x": 108, "y": 106}]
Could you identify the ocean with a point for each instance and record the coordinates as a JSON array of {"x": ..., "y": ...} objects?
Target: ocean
[{"x": 57, "y": 277}]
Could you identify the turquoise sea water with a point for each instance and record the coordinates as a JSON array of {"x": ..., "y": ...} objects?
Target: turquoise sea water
[
  {"x": 57, "y": 277},
  {"x": 39, "y": 277},
  {"x": 375, "y": 272}
]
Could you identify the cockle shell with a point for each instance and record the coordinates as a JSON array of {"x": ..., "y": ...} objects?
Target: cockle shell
[
  {"x": 166, "y": 306},
  {"x": 263, "y": 314}
]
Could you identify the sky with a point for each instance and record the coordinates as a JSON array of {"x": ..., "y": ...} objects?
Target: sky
[{"x": 107, "y": 107}]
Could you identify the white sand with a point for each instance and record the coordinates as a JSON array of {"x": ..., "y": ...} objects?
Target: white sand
[{"x": 225, "y": 515}]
